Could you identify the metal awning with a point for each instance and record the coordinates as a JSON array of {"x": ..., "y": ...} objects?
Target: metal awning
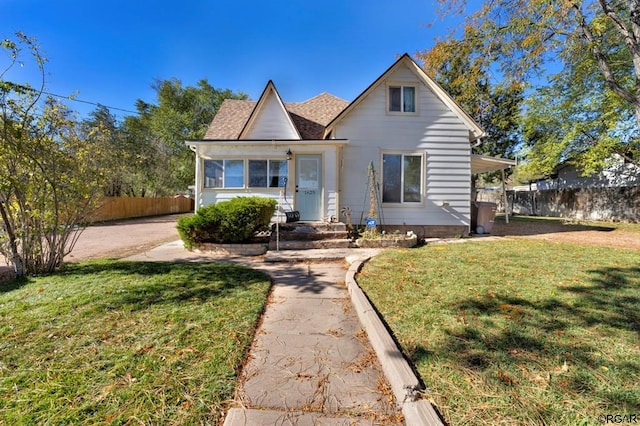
[{"x": 484, "y": 163}]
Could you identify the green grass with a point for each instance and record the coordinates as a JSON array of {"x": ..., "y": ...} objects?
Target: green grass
[
  {"x": 115, "y": 342},
  {"x": 516, "y": 331},
  {"x": 573, "y": 223}
]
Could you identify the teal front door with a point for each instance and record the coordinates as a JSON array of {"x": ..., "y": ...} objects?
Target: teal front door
[{"x": 309, "y": 186}]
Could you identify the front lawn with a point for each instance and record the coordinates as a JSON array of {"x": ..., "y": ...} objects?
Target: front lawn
[
  {"x": 116, "y": 342},
  {"x": 516, "y": 331}
]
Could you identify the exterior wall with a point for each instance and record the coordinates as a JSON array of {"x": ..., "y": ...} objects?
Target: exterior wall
[
  {"x": 272, "y": 122},
  {"x": 435, "y": 131},
  {"x": 327, "y": 149}
]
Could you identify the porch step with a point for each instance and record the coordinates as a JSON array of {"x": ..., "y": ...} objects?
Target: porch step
[
  {"x": 312, "y": 226},
  {"x": 309, "y": 244},
  {"x": 309, "y": 235}
]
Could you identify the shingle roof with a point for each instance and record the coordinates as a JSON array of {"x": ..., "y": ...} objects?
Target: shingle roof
[
  {"x": 321, "y": 108},
  {"x": 230, "y": 119},
  {"x": 310, "y": 117}
]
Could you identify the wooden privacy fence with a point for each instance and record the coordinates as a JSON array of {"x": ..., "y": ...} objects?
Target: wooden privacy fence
[
  {"x": 615, "y": 203},
  {"x": 112, "y": 208},
  {"x": 620, "y": 203}
]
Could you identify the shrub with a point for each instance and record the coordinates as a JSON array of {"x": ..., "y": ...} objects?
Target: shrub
[
  {"x": 192, "y": 229},
  {"x": 233, "y": 221}
]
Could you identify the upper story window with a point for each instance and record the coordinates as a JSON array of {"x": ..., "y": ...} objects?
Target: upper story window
[{"x": 402, "y": 98}]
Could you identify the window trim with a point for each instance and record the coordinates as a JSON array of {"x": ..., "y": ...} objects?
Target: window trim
[
  {"x": 423, "y": 172},
  {"x": 402, "y": 85}
]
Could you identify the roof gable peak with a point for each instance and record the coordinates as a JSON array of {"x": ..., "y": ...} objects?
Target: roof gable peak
[
  {"x": 270, "y": 100},
  {"x": 406, "y": 60}
]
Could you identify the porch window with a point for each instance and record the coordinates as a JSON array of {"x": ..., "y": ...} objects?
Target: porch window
[
  {"x": 402, "y": 178},
  {"x": 402, "y": 99},
  {"x": 223, "y": 173},
  {"x": 268, "y": 173}
]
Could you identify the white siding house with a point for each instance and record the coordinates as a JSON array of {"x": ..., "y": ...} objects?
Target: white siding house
[
  {"x": 617, "y": 173},
  {"x": 318, "y": 153}
]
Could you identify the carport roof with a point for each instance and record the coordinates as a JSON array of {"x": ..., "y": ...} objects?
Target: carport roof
[{"x": 484, "y": 164}]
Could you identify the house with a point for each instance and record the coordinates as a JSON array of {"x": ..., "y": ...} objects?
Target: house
[
  {"x": 314, "y": 156},
  {"x": 618, "y": 172}
]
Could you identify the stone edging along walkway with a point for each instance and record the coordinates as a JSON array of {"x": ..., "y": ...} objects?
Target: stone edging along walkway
[
  {"x": 404, "y": 383},
  {"x": 247, "y": 249}
]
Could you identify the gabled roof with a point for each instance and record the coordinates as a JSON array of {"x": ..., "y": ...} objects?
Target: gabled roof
[
  {"x": 309, "y": 117},
  {"x": 405, "y": 60},
  {"x": 321, "y": 108},
  {"x": 314, "y": 118},
  {"x": 269, "y": 91}
]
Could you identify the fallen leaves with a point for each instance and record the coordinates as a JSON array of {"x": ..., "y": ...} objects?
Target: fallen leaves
[{"x": 505, "y": 378}]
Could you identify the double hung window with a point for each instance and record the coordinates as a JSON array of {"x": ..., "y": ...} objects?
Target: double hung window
[
  {"x": 402, "y": 99},
  {"x": 402, "y": 178}
]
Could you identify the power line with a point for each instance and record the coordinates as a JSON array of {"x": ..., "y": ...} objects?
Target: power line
[
  {"x": 88, "y": 102},
  {"x": 69, "y": 98}
]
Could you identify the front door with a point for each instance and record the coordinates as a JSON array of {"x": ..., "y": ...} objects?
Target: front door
[{"x": 309, "y": 186}]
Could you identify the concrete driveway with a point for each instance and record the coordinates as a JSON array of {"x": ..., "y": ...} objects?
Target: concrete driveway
[
  {"x": 124, "y": 238},
  {"x": 118, "y": 239}
]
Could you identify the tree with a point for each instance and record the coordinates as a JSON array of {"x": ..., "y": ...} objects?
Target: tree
[
  {"x": 577, "y": 118},
  {"x": 159, "y": 131},
  {"x": 49, "y": 174},
  {"x": 592, "y": 47},
  {"x": 458, "y": 66},
  {"x": 584, "y": 125},
  {"x": 116, "y": 165}
]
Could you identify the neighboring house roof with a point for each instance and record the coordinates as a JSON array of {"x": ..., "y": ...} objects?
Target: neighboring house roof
[
  {"x": 309, "y": 117},
  {"x": 406, "y": 60}
]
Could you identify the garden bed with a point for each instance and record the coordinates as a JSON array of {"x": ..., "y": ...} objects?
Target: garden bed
[{"x": 387, "y": 241}]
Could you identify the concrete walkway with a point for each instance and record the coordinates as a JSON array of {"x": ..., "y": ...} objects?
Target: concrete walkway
[{"x": 313, "y": 360}]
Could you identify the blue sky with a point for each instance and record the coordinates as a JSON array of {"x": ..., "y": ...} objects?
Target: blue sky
[{"x": 111, "y": 52}]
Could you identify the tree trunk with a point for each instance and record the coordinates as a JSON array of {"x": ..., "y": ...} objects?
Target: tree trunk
[{"x": 16, "y": 259}]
